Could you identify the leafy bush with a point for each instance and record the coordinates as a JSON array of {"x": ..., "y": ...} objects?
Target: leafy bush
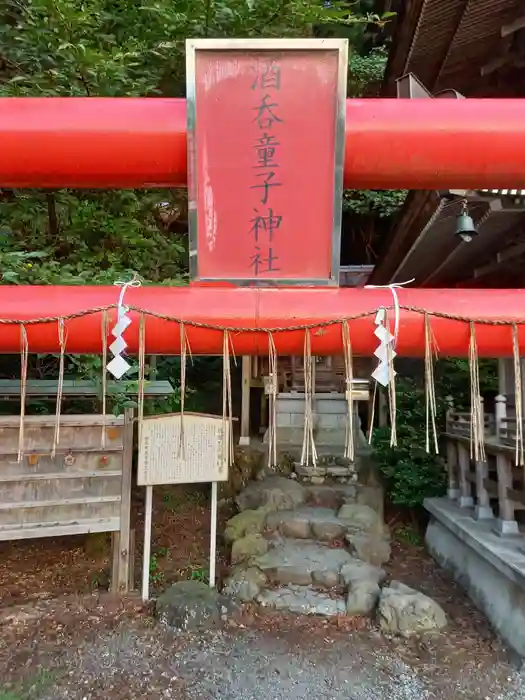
[{"x": 410, "y": 473}]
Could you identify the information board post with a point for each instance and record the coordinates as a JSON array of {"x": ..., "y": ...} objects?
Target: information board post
[
  {"x": 146, "y": 556},
  {"x": 213, "y": 534},
  {"x": 181, "y": 450}
]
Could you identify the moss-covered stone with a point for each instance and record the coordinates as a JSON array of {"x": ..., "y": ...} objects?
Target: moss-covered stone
[
  {"x": 248, "y": 547},
  {"x": 362, "y": 518},
  {"x": 248, "y": 522},
  {"x": 245, "y": 584}
]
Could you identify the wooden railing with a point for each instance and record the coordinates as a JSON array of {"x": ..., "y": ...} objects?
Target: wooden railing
[{"x": 494, "y": 488}]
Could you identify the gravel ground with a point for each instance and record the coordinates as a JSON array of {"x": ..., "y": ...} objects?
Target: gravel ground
[
  {"x": 88, "y": 654},
  {"x": 59, "y": 643},
  {"x": 255, "y": 666}
]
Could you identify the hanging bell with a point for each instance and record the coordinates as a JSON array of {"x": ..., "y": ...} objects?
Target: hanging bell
[{"x": 465, "y": 227}]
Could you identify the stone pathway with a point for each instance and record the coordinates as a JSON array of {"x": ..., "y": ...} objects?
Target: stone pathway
[
  {"x": 319, "y": 550},
  {"x": 303, "y": 562},
  {"x": 303, "y": 600}
]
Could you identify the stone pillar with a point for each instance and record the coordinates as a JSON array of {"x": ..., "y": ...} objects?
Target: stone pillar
[
  {"x": 500, "y": 413},
  {"x": 465, "y": 488},
  {"x": 506, "y": 523},
  {"x": 483, "y": 511},
  {"x": 245, "y": 400},
  {"x": 453, "y": 491}
]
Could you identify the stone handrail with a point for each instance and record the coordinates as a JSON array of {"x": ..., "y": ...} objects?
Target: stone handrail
[{"x": 496, "y": 486}]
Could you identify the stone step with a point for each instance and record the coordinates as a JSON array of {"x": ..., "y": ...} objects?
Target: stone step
[
  {"x": 303, "y": 600},
  {"x": 325, "y": 524},
  {"x": 303, "y": 563}
]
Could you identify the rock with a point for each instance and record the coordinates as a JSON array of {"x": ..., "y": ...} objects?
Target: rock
[
  {"x": 355, "y": 571},
  {"x": 290, "y": 524},
  {"x": 406, "y": 612},
  {"x": 295, "y": 561},
  {"x": 248, "y": 522},
  {"x": 362, "y": 583},
  {"x": 373, "y": 549},
  {"x": 190, "y": 605},
  {"x": 327, "y": 531},
  {"x": 245, "y": 584},
  {"x": 248, "y": 547},
  {"x": 306, "y": 521},
  {"x": 331, "y": 496},
  {"x": 362, "y": 597},
  {"x": 302, "y": 599},
  {"x": 372, "y": 496},
  {"x": 273, "y": 493},
  {"x": 327, "y": 579},
  {"x": 362, "y": 518}
]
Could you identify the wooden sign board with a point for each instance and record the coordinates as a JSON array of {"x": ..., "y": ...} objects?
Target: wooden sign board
[
  {"x": 201, "y": 458},
  {"x": 266, "y": 128}
]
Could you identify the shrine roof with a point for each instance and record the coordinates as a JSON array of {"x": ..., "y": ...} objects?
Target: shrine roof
[
  {"x": 474, "y": 46},
  {"x": 422, "y": 244}
]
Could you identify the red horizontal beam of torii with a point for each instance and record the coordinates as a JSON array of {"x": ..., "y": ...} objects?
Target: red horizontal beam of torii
[
  {"x": 252, "y": 311},
  {"x": 141, "y": 142},
  {"x": 135, "y": 142}
]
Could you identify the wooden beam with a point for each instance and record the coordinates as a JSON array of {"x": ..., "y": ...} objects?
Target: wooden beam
[
  {"x": 459, "y": 12},
  {"x": 407, "y": 19},
  {"x": 405, "y": 234},
  {"x": 408, "y": 86},
  {"x": 513, "y": 27},
  {"x": 510, "y": 254},
  {"x": 245, "y": 400},
  {"x": 516, "y": 60}
]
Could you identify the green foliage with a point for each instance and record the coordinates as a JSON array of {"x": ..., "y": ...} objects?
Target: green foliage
[
  {"x": 411, "y": 474},
  {"x": 123, "y": 48},
  {"x": 128, "y": 48},
  {"x": 69, "y": 47},
  {"x": 408, "y": 535},
  {"x": 453, "y": 379},
  {"x": 156, "y": 575},
  {"x": 31, "y": 688},
  {"x": 366, "y": 72},
  {"x": 382, "y": 203},
  {"x": 200, "y": 574},
  {"x": 88, "y": 238}
]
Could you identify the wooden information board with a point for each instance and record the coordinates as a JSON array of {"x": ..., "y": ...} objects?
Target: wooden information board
[{"x": 200, "y": 458}]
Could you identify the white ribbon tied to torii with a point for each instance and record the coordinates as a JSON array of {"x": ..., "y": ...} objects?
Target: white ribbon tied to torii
[
  {"x": 384, "y": 372},
  {"x": 118, "y": 366}
]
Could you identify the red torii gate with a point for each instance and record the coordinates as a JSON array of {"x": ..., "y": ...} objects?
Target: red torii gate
[{"x": 128, "y": 142}]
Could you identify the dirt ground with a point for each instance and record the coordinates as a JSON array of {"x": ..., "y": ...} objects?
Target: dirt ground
[{"x": 63, "y": 637}]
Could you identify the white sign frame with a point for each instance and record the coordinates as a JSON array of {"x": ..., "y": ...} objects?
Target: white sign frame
[{"x": 179, "y": 464}]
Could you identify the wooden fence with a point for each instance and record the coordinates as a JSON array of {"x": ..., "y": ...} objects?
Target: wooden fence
[
  {"x": 494, "y": 488},
  {"x": 85, "y": 487}
]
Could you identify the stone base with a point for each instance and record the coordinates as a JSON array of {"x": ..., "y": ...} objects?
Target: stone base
[
  {"x": 465, "y": 502},
  {"x": 483, "y": 513},
  {"x": 506, "y": 527},
  {"x": 330, "y": 417},
  {"x": 489, "y": 567},
  {"x": 344, "y": 470}
]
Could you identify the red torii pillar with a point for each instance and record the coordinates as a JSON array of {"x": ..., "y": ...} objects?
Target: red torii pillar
[{"x": 133, "y": 142}]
